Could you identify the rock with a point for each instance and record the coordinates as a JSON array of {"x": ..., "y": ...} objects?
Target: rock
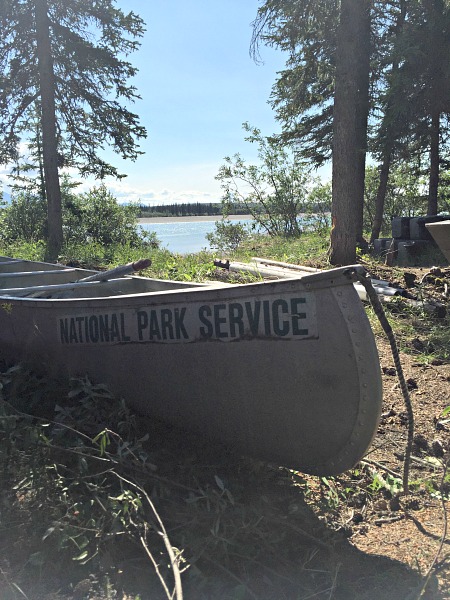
[
  {"x": 438, "y": 448},
  {"x": 391, "y": 371},
  {"x": 412, "y": 384},
  {"x": 421, "y": 442}
]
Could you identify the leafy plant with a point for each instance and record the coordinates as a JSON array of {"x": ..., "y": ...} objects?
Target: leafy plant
[
  {"x": 24, "y": 218},
  {"x": 227, "y": 236},
  {"x": 94, "y": 218},
  {"x": 70, "y": 463},
  {"x": 97, "y": 217},
  {"x": 275, "y": 191},
  {"x": 404, "y": 195}
]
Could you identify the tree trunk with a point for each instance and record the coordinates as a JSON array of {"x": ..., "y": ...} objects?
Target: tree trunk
[
  {"x": 362, "y": 110},
  {"x": 349, "y": 130},
  {"x": 48, "y": 123},
  {"x": 434, "y": 165},
  {"x": 381, "y": 195},
  {"x": 389, "y": 144}
]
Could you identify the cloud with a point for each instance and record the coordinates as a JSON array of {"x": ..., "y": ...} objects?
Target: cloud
[
  {"x": 152, "y": 198},
  {"x": 126, "y": 193},
  {"x": 191, "y": 183}
]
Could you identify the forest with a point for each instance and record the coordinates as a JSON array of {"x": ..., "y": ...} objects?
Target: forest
[{"x": 197, "y": 209}]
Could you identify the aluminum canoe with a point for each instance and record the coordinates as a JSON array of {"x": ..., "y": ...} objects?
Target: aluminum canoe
[
  {"x": 440, "y": 232},
  {"x": 286, "y": 371}
]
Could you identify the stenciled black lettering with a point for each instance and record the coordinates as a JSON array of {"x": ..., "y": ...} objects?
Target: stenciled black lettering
[
  {"x": 124, "y": 336},
  {"x": 114, "y": 328},
  {"x": 253, "y": 315},
  {"x": 155, "y": 331},
  {"x": 73, "y": 339},
  {"x": 236, "y": 313},
  {"x": 80, "y": 321},
  {"x": 203, "y": 313},
  {"x": 180, "y": 329},
  {"x": 103, "y": 325},
  {"x": 64, "y": 331},
  {"x": 93, "y": 329},
  {"x": 297, "y": 316},
  {"x": 142, "y": 323},
  {"x": 166, "y": 324},
  {"x": 266, "y": 309},
  {"x": 220, "y": 320},
  {"x": 280, "y": 327}
]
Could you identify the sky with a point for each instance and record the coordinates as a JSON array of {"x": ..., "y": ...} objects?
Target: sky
[{"x": 198, "y": 84}]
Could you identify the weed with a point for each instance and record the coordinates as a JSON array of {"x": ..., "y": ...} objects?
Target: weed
[
  {"x": 64, "y": 472},
  {"x": 416, "y": 331}
]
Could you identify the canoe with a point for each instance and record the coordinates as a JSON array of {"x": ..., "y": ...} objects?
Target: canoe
[
  {"x": 286, "y": 371},
  {"x": 441, "y": 235}
]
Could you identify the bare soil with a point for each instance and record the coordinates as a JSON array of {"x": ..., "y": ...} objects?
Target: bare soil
[
  {"x": 251, "y": 530},
  {"x": 410, "y": 530}
]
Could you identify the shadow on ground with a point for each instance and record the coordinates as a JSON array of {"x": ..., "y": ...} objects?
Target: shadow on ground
[
  {"x": 247, "y": 533},
  {"x": 244, "y": 529}
]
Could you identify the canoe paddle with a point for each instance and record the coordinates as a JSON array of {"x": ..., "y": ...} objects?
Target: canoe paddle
[{"x": 132, "y": 267}]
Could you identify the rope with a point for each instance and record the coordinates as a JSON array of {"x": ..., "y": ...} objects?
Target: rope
[{"x": 364, "y": 279}]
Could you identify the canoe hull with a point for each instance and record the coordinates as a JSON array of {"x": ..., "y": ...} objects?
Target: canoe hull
[
  {"x": 286, "y": 371},
  {"x": 441, "y": 235}
]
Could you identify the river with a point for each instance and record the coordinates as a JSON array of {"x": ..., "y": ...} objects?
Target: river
[{"x": 183, "y": 235}]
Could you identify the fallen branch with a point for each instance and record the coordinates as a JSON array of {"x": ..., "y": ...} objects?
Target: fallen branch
[
  {"x": 178, "y": 591},
  {"x": 444, "y": 533}
]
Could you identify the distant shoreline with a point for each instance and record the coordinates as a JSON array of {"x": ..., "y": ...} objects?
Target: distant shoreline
[{"x": 192, "y": 219}]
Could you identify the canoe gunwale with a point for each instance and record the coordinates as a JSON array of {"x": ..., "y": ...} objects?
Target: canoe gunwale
[
  {"x": 440, "y": 232},
  {"x": 330, "y": 278}
]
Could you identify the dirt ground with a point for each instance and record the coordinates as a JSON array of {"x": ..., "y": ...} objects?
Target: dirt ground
[
  {"x": 251, "y": 530},
  {"x": 410, "y": 530}
]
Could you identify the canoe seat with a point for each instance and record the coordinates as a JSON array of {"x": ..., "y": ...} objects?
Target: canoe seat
[{"x": 27, "y": 278}]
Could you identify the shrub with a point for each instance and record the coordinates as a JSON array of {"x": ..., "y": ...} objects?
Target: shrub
[
  {"x": 91, "y": 218},
  {"x": 97, "y": 217},
  {"x": 227, "y": 236},
  {"x": 25, "y": 218},
  {"x": 275, "y": 191}
]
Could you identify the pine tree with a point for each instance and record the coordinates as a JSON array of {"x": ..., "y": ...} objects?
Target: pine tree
[
  {"x": 420, "y": 94},
  {"x": 350, "y": 116},
  {"x": 322, "y": 98},
  {"x": 302, "y": 96},
  {"x": 67, "y": 58}
]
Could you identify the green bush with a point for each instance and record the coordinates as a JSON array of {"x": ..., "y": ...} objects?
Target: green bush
[
  {"x": 275, "y": 191},
  {"x": 404, "y": 196},
  {"x": 97, "y": 217},
  {"x": 94, "y": 218},
  {"x": 227, "y": 236},
  {"x": 25, "y": 218}
]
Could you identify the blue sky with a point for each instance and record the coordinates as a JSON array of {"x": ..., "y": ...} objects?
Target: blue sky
[{"x": 198, "y": 85}]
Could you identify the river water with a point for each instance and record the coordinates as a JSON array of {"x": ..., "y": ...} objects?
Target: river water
[{"x": 184, "y": 237}]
